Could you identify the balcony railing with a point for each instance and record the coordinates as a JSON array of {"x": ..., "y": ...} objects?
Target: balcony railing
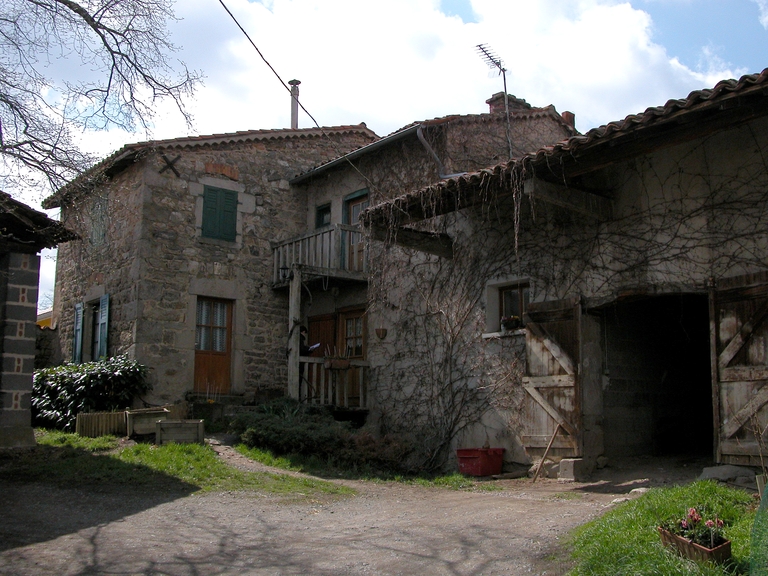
[
  {"x": 341, "y": 388},
  {"x": 337, "y": 250}
]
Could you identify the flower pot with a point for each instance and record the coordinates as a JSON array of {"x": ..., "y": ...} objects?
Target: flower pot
[
  {"x": 693, "y": 551},
  {"x": 480, "y": 461},
  {"x": 336, "y": 363}
]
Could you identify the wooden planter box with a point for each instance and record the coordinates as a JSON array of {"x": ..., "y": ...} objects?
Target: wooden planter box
[
  {"x": 179, "y": 431},
  {"x": 143, "y": 421},
  {"x": 719, "y": 554}
]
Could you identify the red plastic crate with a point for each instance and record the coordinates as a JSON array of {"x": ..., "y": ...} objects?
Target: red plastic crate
[{"x": 480, "y": 461}]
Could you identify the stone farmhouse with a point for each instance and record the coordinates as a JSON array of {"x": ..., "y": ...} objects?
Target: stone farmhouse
[
  {"x": 175, "y": 264},
  {"x": 24, "y": 232},
  {"x": 202, "y": 256},
  {"x": 604, "y": 296}
]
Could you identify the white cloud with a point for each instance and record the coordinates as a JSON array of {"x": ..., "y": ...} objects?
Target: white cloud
[
  {"x": 391, "y": 63},
  {"x": 762, "y": 5}
]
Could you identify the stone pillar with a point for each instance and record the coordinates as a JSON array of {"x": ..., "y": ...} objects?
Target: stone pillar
[{"x": 18, "y": 313}]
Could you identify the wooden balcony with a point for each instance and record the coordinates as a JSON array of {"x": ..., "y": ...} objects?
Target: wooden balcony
[
  {"x": 339, "y": 388},
  {"x": 336, "y": 251}
]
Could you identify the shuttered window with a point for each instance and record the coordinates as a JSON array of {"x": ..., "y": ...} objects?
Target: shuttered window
[{"x": 219, "y": 213}]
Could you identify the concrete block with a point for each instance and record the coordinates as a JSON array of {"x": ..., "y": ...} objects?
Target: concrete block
[{"x": 575, "y": 469}]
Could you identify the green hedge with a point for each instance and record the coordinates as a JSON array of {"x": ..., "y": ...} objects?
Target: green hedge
[
  {"x": 60, "y": 393},
  {"x": 286, "y": 427}
]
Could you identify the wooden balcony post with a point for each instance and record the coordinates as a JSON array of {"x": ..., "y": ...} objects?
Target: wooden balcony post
[{"x": 294, "y": 321}]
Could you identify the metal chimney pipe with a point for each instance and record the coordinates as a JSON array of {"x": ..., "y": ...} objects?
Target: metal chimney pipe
[{"x": 294, "y": 104}]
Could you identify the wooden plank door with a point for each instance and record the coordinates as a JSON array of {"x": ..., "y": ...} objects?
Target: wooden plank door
[
  {"x": 213, "y": 346},
  {"x": 552, "y": 378},
  {"x": 356, "y": 247},
  {"x": 740, "y": 354},
  {"x": 320, "y": 330}
]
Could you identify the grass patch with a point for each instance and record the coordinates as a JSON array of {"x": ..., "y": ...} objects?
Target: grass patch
[
  {"x": 567, "y": 496},
  {"x": 625, "y": 541},
  {"x": 319, "y": 467},
  {"x": 70, "y": 461}
]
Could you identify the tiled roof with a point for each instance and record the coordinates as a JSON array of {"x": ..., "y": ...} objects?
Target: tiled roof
[
  {"x": 515, "y": 115},
  {"x": 21, "y": 226},
  {"x": 128, "y": 153},
  {"x": 728, "y": 103}
]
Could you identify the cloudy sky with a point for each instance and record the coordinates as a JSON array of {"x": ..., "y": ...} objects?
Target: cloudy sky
[{"x": 391, "y": 63}]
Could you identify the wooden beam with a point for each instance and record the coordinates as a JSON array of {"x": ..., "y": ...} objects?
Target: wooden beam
[
  {"x": 556, "y": 416},
  {"x": 744, "y": 373},
  {"x": 554, "y": 348},
  {"x": 733, "y": 347},
  {"x": 579, "y": 201},
  {"x": 294, "y": 320},
  {"x": 562, "y": 381},
  {"x": 746, "y": 412},
  {"x": 431, "y": 243}
]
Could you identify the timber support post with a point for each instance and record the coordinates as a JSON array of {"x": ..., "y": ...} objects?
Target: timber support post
[{"x": 294, "y": 321}]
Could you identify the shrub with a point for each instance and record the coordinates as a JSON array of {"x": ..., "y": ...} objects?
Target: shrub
[
  {"x": 60, "y": 393},
  {"x": 285, "y": 427}
]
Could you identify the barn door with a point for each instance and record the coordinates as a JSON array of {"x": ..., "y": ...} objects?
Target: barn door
[
  {"x": 552, "y": 378},
  {"x": 740, "y": 344}
]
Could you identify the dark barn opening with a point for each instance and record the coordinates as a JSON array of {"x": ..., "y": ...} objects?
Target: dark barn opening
[{"x": 658, "y": 390}]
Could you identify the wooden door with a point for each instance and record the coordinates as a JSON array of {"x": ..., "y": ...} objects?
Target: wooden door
[
  {"x": 355, "y": 246},
  {"x": 352, "y": 342},
  {"x": 552, "y": 378},
  {"x": 213, "y": 346},
  {"x": 740, "y": 356},
  {"x": 320, "y": 330}
]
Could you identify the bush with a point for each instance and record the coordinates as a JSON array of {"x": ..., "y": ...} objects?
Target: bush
[
  {"x": 60, "y": 393},
  {"x": 285, "y": 427}
]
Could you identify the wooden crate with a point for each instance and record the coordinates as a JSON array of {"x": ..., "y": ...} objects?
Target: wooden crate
[
  {"x": 179, "y": 431},
  {"x": 143, "y": 421}
]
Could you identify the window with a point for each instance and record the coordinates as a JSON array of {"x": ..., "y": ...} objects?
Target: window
[
  {"x": 219, "y": 214},
  {"x": 211, "y": 331},
  {"x": 354, "y": 205},
  {"x": 353, "y": 334},
  {"x": 90, "y": 330},
  {"x": 513, "y": 301},
  {"x": 323, "y": 216}
]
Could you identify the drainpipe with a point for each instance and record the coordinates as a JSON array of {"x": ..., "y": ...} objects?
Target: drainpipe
[
  {"x": 294, "y": 103},
  {"x": 440, "y": 167}
]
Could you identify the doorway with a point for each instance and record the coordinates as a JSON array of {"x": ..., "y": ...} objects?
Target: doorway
[{"x": 657, "y": 389}]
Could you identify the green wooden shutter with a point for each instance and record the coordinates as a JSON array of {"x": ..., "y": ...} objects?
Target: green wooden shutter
[
  {"x": 77, "y": 343},
  {"x": 228, "y": 226},
  {"x": 103, "y": 325},
  {"x": 220, "y": 214}
]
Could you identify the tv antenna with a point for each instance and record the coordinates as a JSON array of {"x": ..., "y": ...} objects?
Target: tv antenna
[{"x": 493, "y": 61}]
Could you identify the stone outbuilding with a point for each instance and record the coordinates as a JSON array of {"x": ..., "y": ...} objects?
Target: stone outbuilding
[
  {"x": 605, "y": 296},
  {"x": 24, "y": 232}
]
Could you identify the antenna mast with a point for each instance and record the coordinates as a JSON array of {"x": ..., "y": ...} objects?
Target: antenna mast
[{"x": 493, "y": 61}]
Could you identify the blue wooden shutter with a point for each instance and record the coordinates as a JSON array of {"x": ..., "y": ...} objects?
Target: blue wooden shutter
[
  {"x": 103, "y": 325},
  {"x": 77, "y": 343}
]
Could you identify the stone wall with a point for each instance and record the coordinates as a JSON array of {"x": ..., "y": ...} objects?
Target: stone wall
[
  {"x": 155, "y": 263},
  {"x": 18, "y": 306}
]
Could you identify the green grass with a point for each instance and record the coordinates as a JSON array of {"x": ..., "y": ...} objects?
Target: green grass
[
  {"x": 625, "y": 540},
  {"x": 323, "y": 469},
  {"x": 68, "y": 460}
]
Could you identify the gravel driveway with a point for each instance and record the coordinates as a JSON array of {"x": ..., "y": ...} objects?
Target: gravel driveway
[{"x": 387, "y": 528}]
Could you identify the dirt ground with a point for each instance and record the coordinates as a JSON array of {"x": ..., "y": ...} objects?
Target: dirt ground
[{"x": 387, "y": 528}]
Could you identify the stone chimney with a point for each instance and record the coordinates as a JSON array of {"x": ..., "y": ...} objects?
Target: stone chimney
[
  {"x": 496, "y": 103},
  {"x": 294, "y": 103}
]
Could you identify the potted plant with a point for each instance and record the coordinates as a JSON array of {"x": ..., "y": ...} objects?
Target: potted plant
[
  {"x": 696, "y": 537},
  {"x": 510, "y": 323}
]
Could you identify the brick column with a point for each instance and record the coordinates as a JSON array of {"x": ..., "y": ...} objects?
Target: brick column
[{"x": 19, "y": 274}]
